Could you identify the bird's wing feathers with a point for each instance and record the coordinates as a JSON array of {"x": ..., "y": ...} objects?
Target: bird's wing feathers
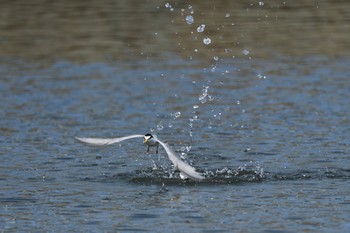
[
  {"x": 106, "y": 141},
  {"x": 185, "y": 169}
]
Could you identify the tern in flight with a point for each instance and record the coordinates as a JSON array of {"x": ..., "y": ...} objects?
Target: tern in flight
[{"x": 186, "y": 170}]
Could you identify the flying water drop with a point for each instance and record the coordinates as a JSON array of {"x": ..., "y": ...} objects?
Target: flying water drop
[
  {"x": 160, "y": 126},
  {"x": 177, "y": 114},
  {"x": 245, "y": 51},
  {"x": 167, "y": 5},
  {"x": 189, "y": 19},
  {"x": 206, "y": 40},
  {"x": 203, "y": 97},
  {"x": 260, "y": 76},
  {"x": 201, "y": 28},
  {"x": 190, "y": 8}
]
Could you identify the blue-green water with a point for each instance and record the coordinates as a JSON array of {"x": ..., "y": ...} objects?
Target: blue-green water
[{"x": 270, "y": 133}]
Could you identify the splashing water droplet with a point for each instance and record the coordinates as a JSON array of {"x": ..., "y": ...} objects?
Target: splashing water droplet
[
  {"x": 245, "y": 51},
  {"x": 177, "y": 114},
  {"x": 189, "y": 19},
  {"x": 203, "y": 97},
  {"x": 216, "y": 58},
  {"x": 261, "y": 3},
  {"x": 227, "y": 15},
  {"x": 201, "y": 28},
  {"x": 195, "y": 106},
  {"x": 190, "y": 8},
  {"x": 260, "y": 76},
  {"x": 206, "y": 40},
  {"x": 167, "y": 5},
  {"x": 160, "y": 126}
]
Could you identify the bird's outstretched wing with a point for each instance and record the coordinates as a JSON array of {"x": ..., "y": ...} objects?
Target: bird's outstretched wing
[
  {"x": 106, "y": 141},
  {"x": 185, "y": 169}
]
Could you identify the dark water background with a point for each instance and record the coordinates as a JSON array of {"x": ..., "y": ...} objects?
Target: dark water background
[{"x": 263, "y": 111}]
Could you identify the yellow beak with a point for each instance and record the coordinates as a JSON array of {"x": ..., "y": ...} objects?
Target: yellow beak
[{"x": 145, "y": 140}]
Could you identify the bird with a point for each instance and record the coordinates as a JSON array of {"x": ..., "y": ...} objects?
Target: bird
[
  {"x": 186, "y": 170},
  {"x": 149, "y": 140}
]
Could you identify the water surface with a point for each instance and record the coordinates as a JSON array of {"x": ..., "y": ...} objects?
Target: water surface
[{"x": 262, "y": 111}]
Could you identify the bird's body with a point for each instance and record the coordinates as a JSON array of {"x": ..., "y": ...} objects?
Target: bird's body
[
  {"x": 186, "y": 170},
  {"x": 150, "y": 141}
]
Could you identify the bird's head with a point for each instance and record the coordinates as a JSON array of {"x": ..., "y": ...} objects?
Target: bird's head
[{"x": 147, "y": 137}]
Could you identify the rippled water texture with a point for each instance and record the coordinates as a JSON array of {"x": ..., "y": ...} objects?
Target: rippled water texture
[{"x": 255, "y": 95}]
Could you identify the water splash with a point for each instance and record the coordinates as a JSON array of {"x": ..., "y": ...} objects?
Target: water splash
[
  {"x": 261, "y": 76},
  {"x": 190, "y": 8},
  {"x": 177, "y": 114},
  {"x": 201, "y": 28},
  {"x": 246, "y": 52},
  {"x": 167, "y": 5},
  {"x": 166, "y": 175},
  {"x": 189, "y": 19},
  {"x": 160, "y": 126},
  {"x": 203, "y": 97},
  {"x": 207, "y": 41}
]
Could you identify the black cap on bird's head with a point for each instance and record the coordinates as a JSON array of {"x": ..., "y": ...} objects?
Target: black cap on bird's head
[{"x": 147, "y": 137}]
